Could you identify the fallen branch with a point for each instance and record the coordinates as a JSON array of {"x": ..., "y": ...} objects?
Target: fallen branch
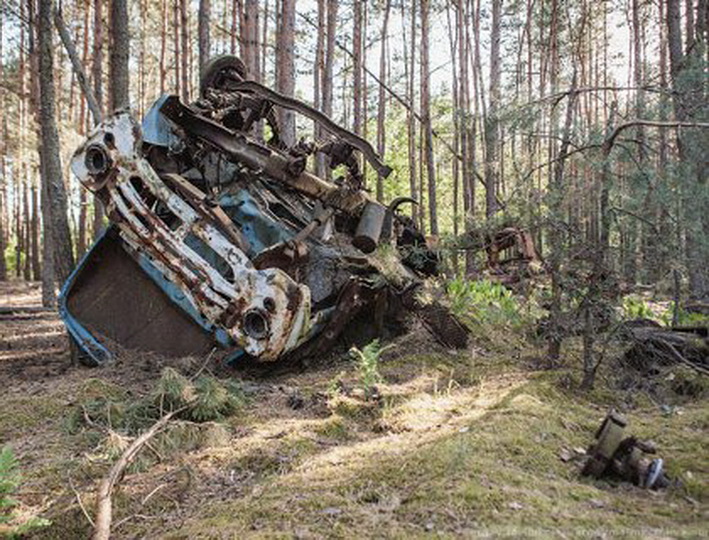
[
  {"x": 684, "y": 361},
  {"x": 104, "y": 505}
]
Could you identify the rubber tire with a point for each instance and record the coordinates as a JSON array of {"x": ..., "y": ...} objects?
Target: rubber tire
[{"x": 209, "y": 78}]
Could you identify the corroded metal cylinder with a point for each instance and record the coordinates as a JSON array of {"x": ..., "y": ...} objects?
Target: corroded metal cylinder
[{"x": 369, "y": 228}]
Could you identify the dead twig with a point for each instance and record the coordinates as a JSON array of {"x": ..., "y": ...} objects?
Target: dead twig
[
  {"x": 153, "y": 492},
  {"x": 684, "y": 361},
  {"x": 104, "y": 505},
  {"x": 204, "y": 364},
  {"x": 81, "y": 504}
]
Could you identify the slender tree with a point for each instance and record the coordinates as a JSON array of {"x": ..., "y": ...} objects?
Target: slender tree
[
  {"x": 120, "y": 54},
  {"x": 50, "y": 153},
  {"x": 285, "y": 58},
  {"x": 492, "y": 127},
  {"x": 184, "y": 55},
  {"x": 381, "y": 108},
  {"x": 426, "y": 117},
  {"x": 203, "y": 21},
  {"x": 97, "y": 76}
]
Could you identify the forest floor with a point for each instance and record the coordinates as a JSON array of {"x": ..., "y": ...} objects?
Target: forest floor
[{"x": 459, "y": 443}]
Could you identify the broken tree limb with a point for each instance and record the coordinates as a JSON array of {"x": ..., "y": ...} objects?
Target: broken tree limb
[
  {"x": 608, "y": 143},
  {"x": 76, "y": 65},
  {"x": 104, "y": 505},
  {"x": 655, "y": 347}
]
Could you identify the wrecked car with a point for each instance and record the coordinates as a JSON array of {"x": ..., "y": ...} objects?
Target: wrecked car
[{"x": 222, "y": 236}]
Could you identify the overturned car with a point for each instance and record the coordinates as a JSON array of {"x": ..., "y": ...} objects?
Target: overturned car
[{"x": 221, "y": 236}]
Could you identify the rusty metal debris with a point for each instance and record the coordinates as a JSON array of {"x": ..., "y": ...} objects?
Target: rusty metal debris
[
  {"x": 627, "y": 458},
  {"x": 221, "y": 235}
]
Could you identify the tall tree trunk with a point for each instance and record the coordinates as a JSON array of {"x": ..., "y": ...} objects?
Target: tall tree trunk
[
  {"x": 410, "y": 121},
  {"x": 250, "y": 49},
  {"x": 426, "y": 116},
  {"x": 381, "y": 107},
  {"x": 318, "y": 70},
  {"x": 285, "y": 58},
  {"x": 357, "y": 68},
  {"x": 50, "y": 155},
  {"x": 203, "y": 32},
  {"x": 120, "y": 53},
  {"x": 690, "y": 103},
  {"x": 96, "y": 75},
  {"x": 27, "y": 230},
  {"x": 163, "y": 46},
  {"x": 556, "y": 197},
  {"x": 184, "y": 50},
  {"x": 327, "y": 82},
  {"x": 34, "y": 237},
  {"x": 492, "y": 124},
  {"x": 3, "y": 170}
]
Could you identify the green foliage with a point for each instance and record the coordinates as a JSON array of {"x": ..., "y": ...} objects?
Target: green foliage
[
  {"x": 636, "y": 308},
  {"x": 205, "y": 399},
  {"x": 367, "y": 362},
  {"x": 215, "y": 400},
  {"x": 684, "y": 318},
  {"x": 9, "y": 483},
  {"x": 484, "y": 302}
]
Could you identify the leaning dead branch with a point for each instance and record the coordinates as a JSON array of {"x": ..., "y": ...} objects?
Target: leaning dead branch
[{"x": 104, "y": 505}]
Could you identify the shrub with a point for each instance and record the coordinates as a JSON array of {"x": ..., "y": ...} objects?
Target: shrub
[
  {"x": 483, "y": 301},
  {"x": 9, "y": 483},
  {"x": 367, "y": 361},
  {"x": 635, "y": 308}
]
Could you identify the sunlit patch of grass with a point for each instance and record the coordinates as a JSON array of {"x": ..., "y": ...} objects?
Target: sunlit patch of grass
[{"x": 494, "y": 468}]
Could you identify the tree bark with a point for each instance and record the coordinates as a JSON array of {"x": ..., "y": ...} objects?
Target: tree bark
[
  {"x": 357, "y": 68},
  {"x": 97, "y": 75},
  {"x": 184, "y": 55},
  {"x": 250, "y": 47},
  {"x": 426, "y": 115},
  {"x": 50, "y": 155},
  {"x": 34, "y": 237},
  {"x": 381, "y": 107},
  {"x": 203, "y": 32},
  {"x": 318, "y": 79},
  {"x": 120, "y": 54},
  {"x": 492, "y": 124},
  {"x": 285, "y": 57},
  {"x": 3, "y": 170},
  {"x": 410, "y": 124}
]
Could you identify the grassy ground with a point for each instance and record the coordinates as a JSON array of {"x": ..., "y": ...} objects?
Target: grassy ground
[{"x": 459, "y": 443}]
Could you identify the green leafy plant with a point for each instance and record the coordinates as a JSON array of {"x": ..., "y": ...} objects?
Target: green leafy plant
[
  {"x": 367, "y": 361},
  {"x": 484, "y": 301},
  {"x": 635, "y": 308},
  {"x": 684, "y": 318},
  {"x": 9, "y": 483}
]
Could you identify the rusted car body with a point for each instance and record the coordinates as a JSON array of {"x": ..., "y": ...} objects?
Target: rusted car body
[{"x": 220, "y": 236}]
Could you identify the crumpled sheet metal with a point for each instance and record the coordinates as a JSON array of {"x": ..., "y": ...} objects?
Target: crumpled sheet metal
[
  {"x": 264, "y": 311},
  {"x": 221, "y": 236}
]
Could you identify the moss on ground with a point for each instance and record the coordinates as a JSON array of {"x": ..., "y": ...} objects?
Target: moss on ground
[
  {"x": 499, "y": 473},
  {"x": 455, "y": 444}
]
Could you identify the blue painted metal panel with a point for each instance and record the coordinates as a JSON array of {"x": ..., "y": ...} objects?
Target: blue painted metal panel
[{"x": 84, "y": 339}]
